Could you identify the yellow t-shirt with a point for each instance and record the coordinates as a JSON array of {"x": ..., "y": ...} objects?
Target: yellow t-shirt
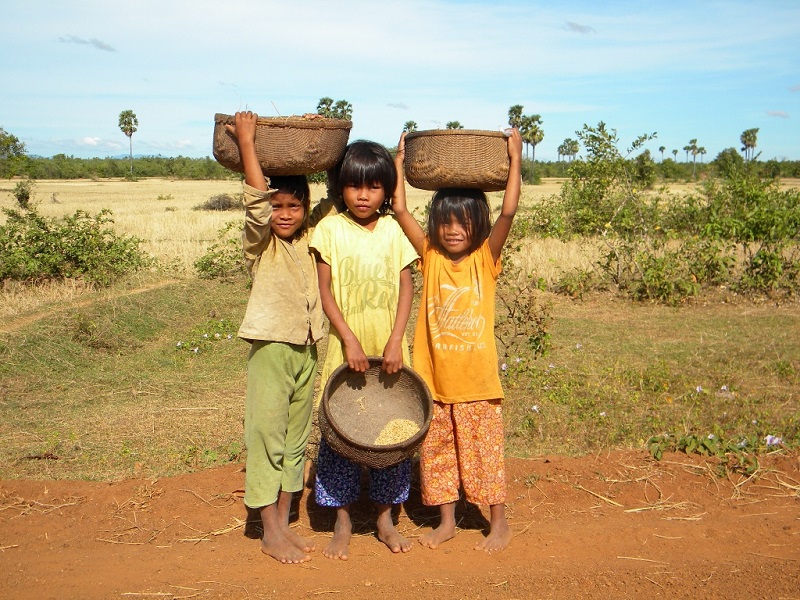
[
  {"x": 365, "y": 281},
  {"x": 454, "y": 345}
]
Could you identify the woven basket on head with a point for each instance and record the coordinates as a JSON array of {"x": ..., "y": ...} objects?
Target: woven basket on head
[
  {"x": 461, "y": 158},
  {"x": 356, "y": 407},
  {"x": 285, "y": 145}
]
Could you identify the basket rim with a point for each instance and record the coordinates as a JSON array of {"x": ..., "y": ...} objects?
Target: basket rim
[
  {"x": 294, "y": 121},
  {"x": 445, "y": 132},
  {"x": 409, "y": 442}
]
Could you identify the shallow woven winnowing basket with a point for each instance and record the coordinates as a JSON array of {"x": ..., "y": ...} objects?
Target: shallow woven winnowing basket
[
  {"x": 462, "y": 158},
  {"x": 285, "y": 145},
  {"x": 356, "y": 406}
]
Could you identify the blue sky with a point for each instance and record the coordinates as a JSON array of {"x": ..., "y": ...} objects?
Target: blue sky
[{"x": 683, "y": 69}]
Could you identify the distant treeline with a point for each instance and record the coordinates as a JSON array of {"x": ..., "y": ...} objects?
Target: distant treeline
[{"x": 61, "y": 166}]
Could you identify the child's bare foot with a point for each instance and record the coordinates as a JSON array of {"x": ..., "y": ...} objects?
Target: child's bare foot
[
  {"x": 435, "y": 537},
  {"x": 299, "y": 542},
  {"x": 339, "y": 546},
  {"x": 499, "y": 535},
  {"x": 283, "y": 550},
  {"x": 387, "y": 532},
  {"x": 393, "y": 540}
]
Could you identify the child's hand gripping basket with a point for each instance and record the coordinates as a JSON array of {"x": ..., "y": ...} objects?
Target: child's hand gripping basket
[
  {"x": 374, "y": 419},
  {"x": 457, "y": 158},
  {"x": 286, "y": 145}
]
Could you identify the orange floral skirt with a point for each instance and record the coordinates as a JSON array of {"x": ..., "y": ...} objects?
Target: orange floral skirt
[{"x": 464, "y": 447}]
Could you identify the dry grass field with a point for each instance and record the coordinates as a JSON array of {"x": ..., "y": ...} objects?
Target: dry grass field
[{"x": 164, "y": 214}]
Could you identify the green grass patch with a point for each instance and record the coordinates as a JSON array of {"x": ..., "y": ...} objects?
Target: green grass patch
[
  {"x": 105, "y": 390},
  {"x": 618, "y": 374}
]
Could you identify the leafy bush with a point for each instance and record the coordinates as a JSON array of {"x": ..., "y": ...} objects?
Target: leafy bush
[
  {"x": 224, "y": 258},
  {"x": 34, "y": 247},
  {"x": 23, "y": 192},
  {"x": 742, "y": 230}
]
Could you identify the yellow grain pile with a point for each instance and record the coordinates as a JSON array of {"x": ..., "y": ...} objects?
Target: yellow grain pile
[{"x": 396, "y": 431}]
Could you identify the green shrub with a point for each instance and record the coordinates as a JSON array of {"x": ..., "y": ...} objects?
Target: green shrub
[
  {"x": 34, "y": 247},
  {"x": 23, "y": 192},
  {"x": 224, "y": 258}
]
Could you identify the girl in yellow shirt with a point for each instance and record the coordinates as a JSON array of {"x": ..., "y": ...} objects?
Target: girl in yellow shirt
[{"x": 364, "y": 264}]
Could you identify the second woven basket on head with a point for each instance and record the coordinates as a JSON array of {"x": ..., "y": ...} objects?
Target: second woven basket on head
[
  {"x": 285, "y": 145},
  {"x": 460, "y": 158},
  {"x": 357, "y": 407}
]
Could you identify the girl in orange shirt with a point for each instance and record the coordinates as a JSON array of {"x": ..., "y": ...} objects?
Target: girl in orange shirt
[{"x": 454, "y": 337}]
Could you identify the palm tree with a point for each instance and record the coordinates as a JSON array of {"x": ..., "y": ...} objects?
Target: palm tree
[
  {"x": 531, "y": 132},
  {"x": 573, "y": 147},
  {"x": 674, "y": 154},
  {"x": 410, "y": 126},
  {"x": 342, "y": 109},
  {"x": 661, "y": 149},
  {"x": 454, "y": 125},
  {"x": 749, "y": 138},
  {"x": 569, "y": 148},
  {"x": 515, "y": 116},
  {"x": 325, "y": 106},
  {"x": 694, "y": 150},
  {"x": 128, "y": 123}
]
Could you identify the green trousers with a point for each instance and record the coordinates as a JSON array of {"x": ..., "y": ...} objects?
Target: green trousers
[{"x": 277, "y": 418}]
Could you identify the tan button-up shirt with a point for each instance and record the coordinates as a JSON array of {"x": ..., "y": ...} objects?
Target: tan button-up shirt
[{"x": 284, "y": 304}]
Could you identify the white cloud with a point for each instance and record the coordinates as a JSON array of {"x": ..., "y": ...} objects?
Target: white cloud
[
  {"x": 582, "y": 29},
  {"x": 94, "y": 42},
  {"x": 778, "y": 113}
]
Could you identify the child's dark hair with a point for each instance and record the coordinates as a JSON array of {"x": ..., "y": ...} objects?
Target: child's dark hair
[
  {"x": 297, "y": 186},
  {"x": 366, "y": 162},
  {"x": 469, "y": 207}
]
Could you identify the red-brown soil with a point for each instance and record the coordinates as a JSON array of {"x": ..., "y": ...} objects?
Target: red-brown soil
[{"x": 616, "y": 525}]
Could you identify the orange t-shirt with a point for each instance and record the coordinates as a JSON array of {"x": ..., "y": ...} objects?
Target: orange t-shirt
[{"x": 454, "y": 344}]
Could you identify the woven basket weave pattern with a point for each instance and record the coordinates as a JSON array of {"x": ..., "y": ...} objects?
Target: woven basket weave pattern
[
  {"x": 356, "y": 406},
  {"x": 285, "y": 145},
  {"x": 461, "y": 158}
]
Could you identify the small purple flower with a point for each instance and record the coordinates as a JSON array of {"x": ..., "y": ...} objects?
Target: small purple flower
[
  {"x": 578, "y": 346},
  {"x": 196, "y": 350},
  {"x": 504, "y": 367},
  {"x": 699, "y": 389},
  {"x": 773, "y": 440},
  {"x": 535, "y": 408},
  {"x": 603, "y": 414},
  {"x": 724, "y": 388}
]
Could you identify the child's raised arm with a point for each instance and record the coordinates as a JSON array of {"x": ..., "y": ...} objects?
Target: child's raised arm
[
  {"x": 406, "y": 220},
  {"x": 502, "y": 226},
  {"x": 244, "y": 130}
]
